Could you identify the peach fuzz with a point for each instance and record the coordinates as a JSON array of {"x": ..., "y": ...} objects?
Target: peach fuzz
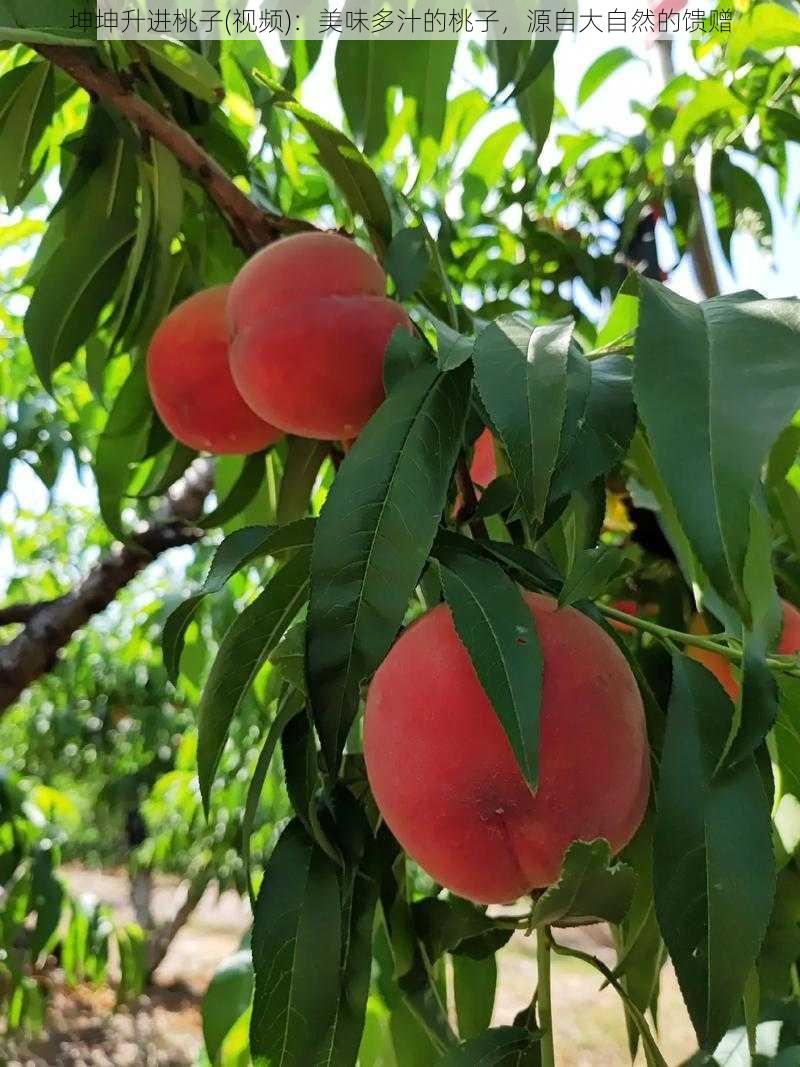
[
  {"x": 191, "y": 384},
  {"x": 446, "y": 780},
  {"x": 309, "y": 326},
  {"x": 720, "y": 667}
]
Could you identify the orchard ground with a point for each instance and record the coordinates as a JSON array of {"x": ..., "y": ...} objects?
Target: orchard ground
[{"x": 163, "y": 1028}]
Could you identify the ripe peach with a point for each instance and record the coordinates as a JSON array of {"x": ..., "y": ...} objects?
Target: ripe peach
[
  {"x": 191, "y": 384},
  {"x": 721, "y": 668},
  {"x": 446, "y": 780},
  {"x": 309, "y": 325}
]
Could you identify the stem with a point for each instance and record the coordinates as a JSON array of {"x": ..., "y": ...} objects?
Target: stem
[
  {"x": 736, "y": 655},
  {"x": 699, "y": 243},
  {"x": 543, "y": 999}
]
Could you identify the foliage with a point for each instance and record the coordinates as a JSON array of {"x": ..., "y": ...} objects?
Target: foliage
[{"x": 645, "y": 447}]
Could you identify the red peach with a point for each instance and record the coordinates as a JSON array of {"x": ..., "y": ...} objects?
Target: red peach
[
  {"x": 720, "y": 667},
  {"x": 446, "y": 780},
  {"x": 191, "y": 384},
  {"x": 309, "y": 326}
]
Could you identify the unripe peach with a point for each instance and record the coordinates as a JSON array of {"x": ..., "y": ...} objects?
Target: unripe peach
[
  {"x": 190, "y": 380},
  {"x": 309, "y": 325},
  {"x": 720, "y": 667},
  {"x": 446, "y": 780}
]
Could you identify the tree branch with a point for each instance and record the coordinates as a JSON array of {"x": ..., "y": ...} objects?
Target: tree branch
[
  {"x": 251, "y": 226},
  {"x": 50, "y": 625},
  {"x": 699, "y": 243}
]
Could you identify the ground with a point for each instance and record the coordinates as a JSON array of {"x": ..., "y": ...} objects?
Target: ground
[{"x": 163, "y": 1028}]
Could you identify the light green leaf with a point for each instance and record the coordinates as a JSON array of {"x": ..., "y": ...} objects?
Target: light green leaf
[
  {"x": 762, "y": 28},
  {"x": 186, "y": 68},
  {"x": 601, "y": 70}
]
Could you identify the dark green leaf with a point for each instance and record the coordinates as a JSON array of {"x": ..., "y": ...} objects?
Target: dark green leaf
[
  {"x": 407, "y": 261},
  {"x": 403, "y": 354},
  {"x": 521, "y": 374},
  {"x": 714, "y": 868},
  {"x": 499, "y": 633},
  {"x": 536, "y": 104},
  {"x": 591, "y": 573},
  {"x": 373, "y": 537},
  {"x": 296, "y": 952},
  {"x": 492, "y": 1049},
  {"x": 604, "y": 428},
  {"x": 724, "y": 358},
  {"x": 243, "y": 651},
  {"x": 235, "y": 552}
]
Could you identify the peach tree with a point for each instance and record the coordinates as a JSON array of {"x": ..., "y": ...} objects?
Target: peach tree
[{"x": 638, "y": 475}]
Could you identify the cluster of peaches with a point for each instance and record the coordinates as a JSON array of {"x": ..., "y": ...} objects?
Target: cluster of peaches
[{"x": 295, "y": 345}]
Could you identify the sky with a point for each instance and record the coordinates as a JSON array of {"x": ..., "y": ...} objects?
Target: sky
[{"x": 609, "y": 107}]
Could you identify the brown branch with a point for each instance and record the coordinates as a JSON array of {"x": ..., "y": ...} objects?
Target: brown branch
[
  {"x": 699, "y": 243},
  {"x": 22, "y": 613},
  {"x": 251, "y": 226},
  {"x": 50, "y": 625},
  {"x": 469, "y": 500}
]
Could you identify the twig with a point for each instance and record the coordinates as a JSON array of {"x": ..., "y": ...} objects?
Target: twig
[
  {"x": 251, "y": 226},
  {"x": 50, "y": 625},
  {"x": 469, "y": 501}
]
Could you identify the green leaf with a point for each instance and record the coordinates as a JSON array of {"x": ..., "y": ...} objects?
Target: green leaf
[
  {"x": 521, "y": 374},
  {"x": 340, "y": 1048},
  {"x": 303, "y": 461},
  {"x": 227, "y": 999},
  {"x": 591, "y": 574},
  {"x": 601, "y": 70},
  {"x": 536, "y": 105},
  {"x": 624, "y": 314},
  {"x": 604, "y": 426},
  {"x": 122, "y": 443},
  {"x": 725, "y": 358},
  {"x": 373, "y": 537},
  {"x": 46, "y": 22},
  {"x": 186, "y": 68},
  {"x": 367, "y": 69},
  {"x": 591, "y": 887},
  {"x": 403, "y": 355},
  {"x": 739, "y": 203},
  {"x": 345, "y": 164},
  {"x": 297, "y": 941},
  {"x": 535, "y": 64},
  {"x": 407, "y": 260},
  {"x": 236, "y": 551},
  {"x": 289, "y": 658},
  {"x": 499, "y": 633},
  {"x": 244, "y": 489},
  {"x": 76, "y": 283},
  {"x": 714, "y": 870},
  {"x": 22, "y": 123},
  {"x": 490, "y": 1049},
  {"x": 762, "y": 28},
  {"x": 242, "y": 652},
  {"x": 474, "y": 984},
  {"x": 711, "y": 98}
]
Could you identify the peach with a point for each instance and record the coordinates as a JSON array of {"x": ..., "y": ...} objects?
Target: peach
[
  {"x": 483, "y": 469},
  {"x": 191, "y": 384},
  {"x": 720, "y": 667},
  {"x": 446, "y": 780},
  {"x": 309, "y": 325}
]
